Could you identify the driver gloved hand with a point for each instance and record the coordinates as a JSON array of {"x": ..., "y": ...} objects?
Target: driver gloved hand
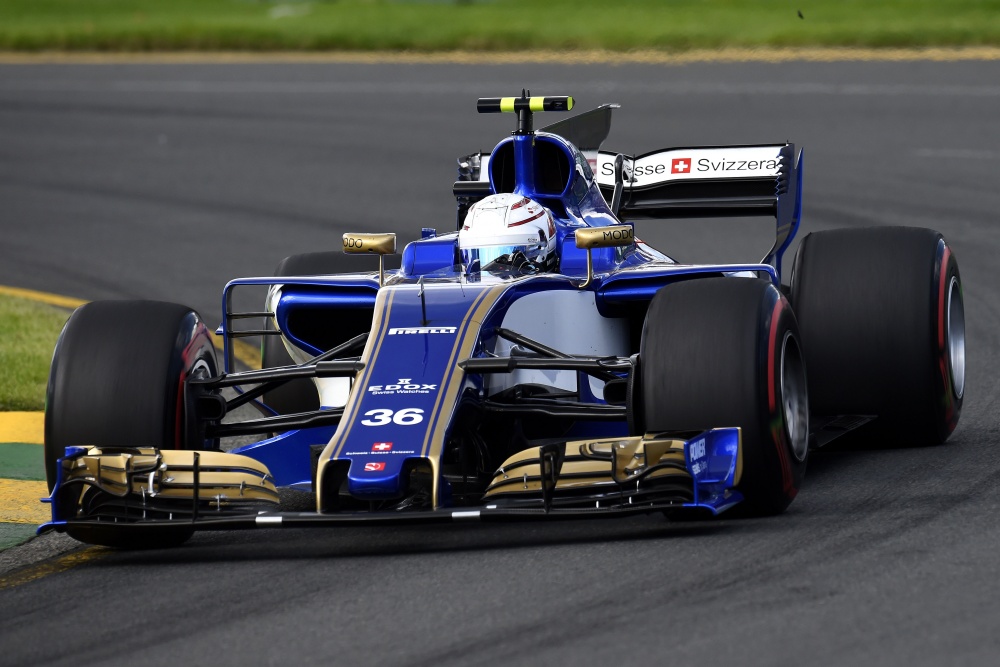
[{"x": 519, "y": 262}]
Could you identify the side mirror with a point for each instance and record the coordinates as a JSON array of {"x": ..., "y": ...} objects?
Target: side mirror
[
  {"x": 380, "y": 244},
  {"x": 602, "y": 237}
]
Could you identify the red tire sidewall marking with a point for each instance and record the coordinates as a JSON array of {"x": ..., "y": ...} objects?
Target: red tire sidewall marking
[
  {"x": 199, "y": 341},
  {"x": 942, "y": 347},
  {"x": 774, "y": 411},
  {"x": 941, "y": 296}
]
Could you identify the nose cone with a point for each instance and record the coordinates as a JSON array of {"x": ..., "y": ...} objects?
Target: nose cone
[{"x": 379, "y": 474}]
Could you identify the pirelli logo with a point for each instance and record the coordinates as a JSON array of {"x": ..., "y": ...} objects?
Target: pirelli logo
[{"x": 399, "y": 331}]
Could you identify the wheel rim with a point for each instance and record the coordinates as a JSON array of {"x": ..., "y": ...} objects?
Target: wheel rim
[
  {"x": 955, "y": 328},
  {"x": 794, "y": 397},
  {"x": 200, "y": 370}
]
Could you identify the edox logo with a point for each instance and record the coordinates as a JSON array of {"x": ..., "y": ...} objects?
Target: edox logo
[{"x": 402, "y": 386}]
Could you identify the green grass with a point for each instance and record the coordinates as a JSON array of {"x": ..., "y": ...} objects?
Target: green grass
[
  {"x": 13, "y": 534},
  {"x": 436, "y": 25},
  {"x": 21, "y": 461},
  {"x": 28, "y": 333}
]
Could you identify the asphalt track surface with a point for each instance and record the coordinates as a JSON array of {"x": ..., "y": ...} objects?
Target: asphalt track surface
[{"x": 165, "y": 181}]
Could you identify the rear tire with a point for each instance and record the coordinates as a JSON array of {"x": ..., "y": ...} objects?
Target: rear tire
[
  {"x": 883, "y": 326},
  {"x": 117, "y": 380},
  {"x": 725, "y": 352}
]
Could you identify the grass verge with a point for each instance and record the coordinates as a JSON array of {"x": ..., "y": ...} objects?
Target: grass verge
[
  {"x": 13, "y": 534},
  {"x": 441, "y": 25},
  {"x": 28, "y": 333}
]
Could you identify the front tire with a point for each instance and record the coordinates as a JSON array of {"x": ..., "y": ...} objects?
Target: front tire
[
  {"x": 117, "y": 380},
  {"x": 725, "y": 352}
]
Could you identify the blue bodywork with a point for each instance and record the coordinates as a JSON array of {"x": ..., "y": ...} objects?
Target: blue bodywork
[
  {"x": 381, "y": 446},
  {"x": 411, "y": 399}
]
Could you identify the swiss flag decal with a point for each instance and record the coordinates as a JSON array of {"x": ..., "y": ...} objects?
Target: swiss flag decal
[
  {"x": 374, "y": 466},
  {"x": 382, "y": 447},
  {"x": 680, "y": 165}
]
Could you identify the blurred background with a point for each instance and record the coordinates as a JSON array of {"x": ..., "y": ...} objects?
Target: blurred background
[{"x": 490, "y": 25}]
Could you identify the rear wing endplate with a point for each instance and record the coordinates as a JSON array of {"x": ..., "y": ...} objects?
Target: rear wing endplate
[{"x": 718, "y": 181}]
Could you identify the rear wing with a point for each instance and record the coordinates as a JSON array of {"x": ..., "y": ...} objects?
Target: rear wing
[{"x": 718, "y": 181}]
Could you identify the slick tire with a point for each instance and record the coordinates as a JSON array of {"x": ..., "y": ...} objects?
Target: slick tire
[
  {"x": 883, "y": 327},
  {"x": 723, "y": 352},
  {"x": 117, "y": 380},
  {"x": 297, "y": 395}
]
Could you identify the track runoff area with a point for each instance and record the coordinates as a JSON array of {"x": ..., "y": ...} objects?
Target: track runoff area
[
  {"x": 585, "y": 57},
  {"x": 22, "y": 468}
]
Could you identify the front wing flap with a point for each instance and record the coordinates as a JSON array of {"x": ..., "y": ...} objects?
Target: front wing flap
[
  {"x": 132, "y": 487},
  {"x": 143, "y": 483}
]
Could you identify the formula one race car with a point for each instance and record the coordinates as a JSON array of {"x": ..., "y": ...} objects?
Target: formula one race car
[{"x": 538, "y": 363}]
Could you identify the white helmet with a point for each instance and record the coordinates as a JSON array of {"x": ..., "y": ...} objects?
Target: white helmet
[{"x": 511, "y": 230}]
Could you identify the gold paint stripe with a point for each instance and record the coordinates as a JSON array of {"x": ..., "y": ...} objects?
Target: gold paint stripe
[
  {"x": 506, "y": 104},
  {"x": 56, "y": 566},
  {"x": 463, "y": 349},
  {"x": 449, "y": 366},
  {"x": 383, "y": 304},
  {"x": 584, "y": 57},
  {"x": 20, "y": 501},
  {"x": 451, "y": 387},
  {"x": 27, "y": 427},
  {"x": 42, "y": 297},
  {"x": 383, "y": 307}
]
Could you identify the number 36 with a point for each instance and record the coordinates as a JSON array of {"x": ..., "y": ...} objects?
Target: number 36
[{"x": 404, "y": 417}]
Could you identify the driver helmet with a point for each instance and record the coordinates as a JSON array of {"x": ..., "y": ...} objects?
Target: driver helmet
[{"x": 511, "y": 230}]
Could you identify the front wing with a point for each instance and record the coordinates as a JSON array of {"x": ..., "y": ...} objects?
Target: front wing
[{"x": 142, "y": 489}]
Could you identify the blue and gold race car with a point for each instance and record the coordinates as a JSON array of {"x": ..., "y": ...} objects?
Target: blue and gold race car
[{"x": 538, "y": 363}]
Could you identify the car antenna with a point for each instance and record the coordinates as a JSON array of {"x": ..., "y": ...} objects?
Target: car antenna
[
  {"x": 524, "y": 106},
  {"x": 423, "y": 301},
  {"x": 524, "y": 122}
]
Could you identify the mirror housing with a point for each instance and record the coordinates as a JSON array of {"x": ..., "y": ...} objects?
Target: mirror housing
[
  {"x": 602, "y": 237},
  {"x": 380, "y": 244}
]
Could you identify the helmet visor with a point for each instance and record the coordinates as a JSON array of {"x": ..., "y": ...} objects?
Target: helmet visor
[{"x": 489, "y": 254}]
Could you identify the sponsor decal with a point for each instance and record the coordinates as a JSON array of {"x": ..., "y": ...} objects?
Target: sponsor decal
[
  {"x": 402, "y": 386},
  {"x": 722, "y": 164},
  {"x": 375, "y": 466},
  {"x": 382, "y": 447},
  {"x": 696, "y": 454},
  {"x": 648, "y": 170},
  {"x": 383, "y": 416},
  {"x": 694, "y": 163},
  {"x": 623, "y": 234},
  {"x": 702, "y": 165},
  {"x": 378, "y": 453},
  {"x": 400, "y": 331}
]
